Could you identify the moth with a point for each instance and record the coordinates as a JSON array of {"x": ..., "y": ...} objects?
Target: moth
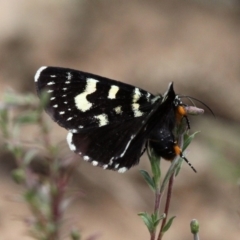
[{"x": 109, "y": 122}]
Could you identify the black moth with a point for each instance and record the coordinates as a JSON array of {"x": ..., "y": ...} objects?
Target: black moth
[{"x": 110, "y": 122}]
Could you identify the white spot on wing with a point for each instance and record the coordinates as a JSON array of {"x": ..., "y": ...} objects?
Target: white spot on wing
[
  {"x": 122, "y": 170},
  {"x": 50, "y": 90},
  {"x": 69, "y": 141},
  {"x": 70, "y": 118},
  {"x": 69, "y": 76},
  {"x": 148, "y": 96},
  {"x": 118, "y": 110},
  {"x": 52, "y": 98},
  {"x": 55, "y": 106},
  {"x": 73, "y": 130},
  {"x": 137, "y": 112},
  {"x": 136, "y": 95},
  {"x": 61, "y": 113},
  {"x": 38, "y": 73},
  {"x": 116, "y": 166},
  {"x": 112, "y": 92},
  {"x": 135, "y": 106},
  {"x": 86, "y": 158},
  {"x": 105, "y": 166},
  {"x": 132, "y": 137},
  {"x": 51, "y": 83},
  {"x": 94, "y": 163},
  {"x": 53, "y": 76},
  {"x": 103, "y": 119},
  {"x": 111, "y": 161},
  {"x": 81, "y": 99}
]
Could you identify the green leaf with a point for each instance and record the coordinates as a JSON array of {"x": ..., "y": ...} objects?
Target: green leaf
[
  {"x": 155, "y": 165},
  {"x": 169, "y": 173},
  {"x": 178, "y": 167},
  {"x": 151, "y": 221},
  {"x": 156, "y": 171},
  {"x": 148, "y": 179},
  {"x": 147, "y": 219},
  {"x": 187, "y": 140},
  {"x": 155, "y": 219},
  {"x": 168, "y": 225}
]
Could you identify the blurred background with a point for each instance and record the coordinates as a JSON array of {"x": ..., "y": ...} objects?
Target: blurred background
[{"x": 195, "y": 44}]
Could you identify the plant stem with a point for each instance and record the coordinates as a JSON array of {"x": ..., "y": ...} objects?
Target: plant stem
[
  {"x": 157, "y": 201},
  {"x": 156, "y": 209},
  {"x": 169, "y": 194},
  {"x": 153, "y": 234},
  {"x": 196, "y": 236}
]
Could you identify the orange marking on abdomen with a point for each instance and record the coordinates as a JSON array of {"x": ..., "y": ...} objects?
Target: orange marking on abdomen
[{"x": 177, "y": 150}]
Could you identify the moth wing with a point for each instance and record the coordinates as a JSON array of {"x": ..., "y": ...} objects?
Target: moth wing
[{"x": 80, "y": 100}]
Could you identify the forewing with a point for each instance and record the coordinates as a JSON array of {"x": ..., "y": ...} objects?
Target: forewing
[{"x": 80, "y": 100}]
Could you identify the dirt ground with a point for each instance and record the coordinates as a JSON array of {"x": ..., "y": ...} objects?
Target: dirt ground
[{"x": 195, "y": 44}]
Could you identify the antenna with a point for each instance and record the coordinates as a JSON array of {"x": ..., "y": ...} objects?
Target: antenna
[{"x": 189, "y": 164}]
